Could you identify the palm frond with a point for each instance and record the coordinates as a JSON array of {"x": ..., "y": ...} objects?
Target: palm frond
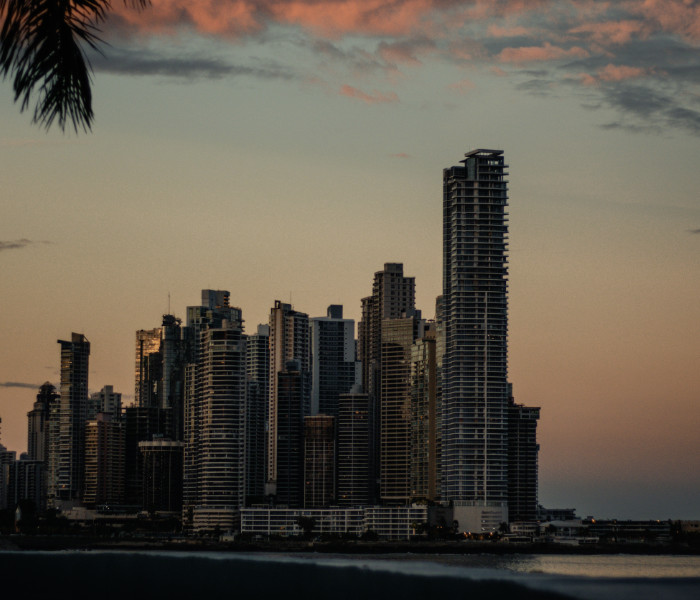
[{"x": 42, "y": 45}]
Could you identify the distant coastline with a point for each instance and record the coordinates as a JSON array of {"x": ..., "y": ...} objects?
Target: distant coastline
[{"x": 66, "y": 542}]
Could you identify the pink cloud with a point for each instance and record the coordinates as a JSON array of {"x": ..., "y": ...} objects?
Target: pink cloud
[
  {"x": 499, "y": 32},
  {"x": 611, "y": 73},
  {"x": 613, "y": 32},
  {"x": 401, "y": 155},
  {"x": 526, "y": 54},
  {"x": 619, "y": 72},
  {"x": 681, "y": 17},
  {"x": 374, "y": 98}
]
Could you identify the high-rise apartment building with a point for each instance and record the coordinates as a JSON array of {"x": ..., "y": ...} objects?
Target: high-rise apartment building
[
  {"x": 289, "y": 341},
  {"x": 162, "y": 475},
  {"x": 334, "y": 368},
  {"x": 38, "y": 423},
  {"x": 393, "y": 296},
  {"x": 258, "y": 396},
  {"x": 215, "y": 429},
  {"x": 424, "y": 417},
  {"x": 319, "y": 461},
  {"x": 68, "y": 447},
  {"x": 523, "y": 451},
  {"x": 104, "y": 460},
  {"x": 398, "y": 336},
  {"x": 475, "y": 316},
  {"x": 354, "y": 434},
  {"x": 161, "y": 356},
  {"x": 293, "y": 394}
]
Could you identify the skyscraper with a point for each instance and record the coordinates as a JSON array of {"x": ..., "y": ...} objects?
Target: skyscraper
[
  {"x": 398, "y": 336},
  {"x": 475, "y": 314},
  {"x": 355, "y": 485},
  {"x": 257, "y": 399},
  {"x": 289, "y": 341},
  {"x": 293, "y": 393},
  {"x": 38, "y": 423},
  {"x": 319, "y": 461},
  {"x": 522, "y": 461},
  {"x": 334, "y": 369},
  {"x": 393, "y": 297},
  {"x": 215, "y": 425},
  {"x": 424, "y": 417},
  {"x": 66, "y": 481}
]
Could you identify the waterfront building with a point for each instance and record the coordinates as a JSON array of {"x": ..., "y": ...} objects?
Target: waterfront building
[
  {"x": 398, "y": 336},
  {"x": 38, "y": 423},
  {"x": 161, "y": 357},
  {"x": 162, "y": 475},
  {"x": 475, "y": 316},
  {"x": 354, "y": 433},
  {"x": 257, "y": 399},
  {"x": 104, "y": 461},
  {"x": 334, "y": 368},
  {"x": 26, "y": 481},
  {"x": 319, "y": 461},
  {"x": 424, "y": 417},
  {"x": 393, "y": 296},
  {"x": 293, "y": 396},
  {"x": 67, "y": 466},
  {"x": 523, "y": 451},
  {"x": 214, "y": 428},
  {"x": 141, "y": 423},
  {"x": 220, "y": 396},
  {"x": 289, "y": 341},
  {"x": 393, "y": 523}
]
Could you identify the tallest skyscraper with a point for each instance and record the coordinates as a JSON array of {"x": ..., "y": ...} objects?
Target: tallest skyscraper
[{"x": 475, "y": 366}]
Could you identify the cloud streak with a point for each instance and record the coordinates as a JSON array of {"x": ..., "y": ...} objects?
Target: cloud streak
[
  {"x": 18, "y": 384},
  {"x": 18, "y": 244}
]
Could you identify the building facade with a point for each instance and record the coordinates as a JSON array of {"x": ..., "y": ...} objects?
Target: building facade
[
  {"x": 289, "y": 341},
  {"x": 354, "y": 435},
  {"x": 334, "y": 368},
  {"x": 475, "y": 316},
  {"x": 319, "y": 461},
  {"x": 67, "y": 466}
]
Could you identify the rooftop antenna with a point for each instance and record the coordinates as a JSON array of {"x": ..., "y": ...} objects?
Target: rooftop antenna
[{"x": 168, "y": 302}]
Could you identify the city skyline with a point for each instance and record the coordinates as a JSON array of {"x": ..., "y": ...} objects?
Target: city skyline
[{"x": 226, "y": 165}]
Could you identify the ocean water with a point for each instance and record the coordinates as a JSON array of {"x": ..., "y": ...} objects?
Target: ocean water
[{"x": 309, "y": 576}]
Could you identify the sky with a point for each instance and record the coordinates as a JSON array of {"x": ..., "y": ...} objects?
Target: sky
[{"x": 287, "y": 149}]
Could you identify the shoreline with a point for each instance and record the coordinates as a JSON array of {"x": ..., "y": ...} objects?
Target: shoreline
[{"x": 28, "y": 543}]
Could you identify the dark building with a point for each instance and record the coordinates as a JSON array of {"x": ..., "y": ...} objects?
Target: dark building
[
  {"x": 334, "y": 368},
  {"x": 424, "y": 418},
  {"x": 258, "y": 393},
  {"x": 319, "y": 461},
  {"x": 104, "y": 461},
  {"x": 141, "y": 424},
  {"x": 38, "y": 423},
  {"x": 354, "y": 432},
  {"x": 67, "y": 449},
  {"x": 292, "y": 406},
  {"x": 398, "y": 336},
  {"x": 162, "y": 475},
  {"x": 523, "y": 451},
  {"x": 289, "y": 340},
  {"x": 393, "y": 296},
  {"x": 26, "y": 481}
]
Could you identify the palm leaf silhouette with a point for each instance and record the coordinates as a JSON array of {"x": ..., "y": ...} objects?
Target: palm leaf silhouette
[{"x": 42, "y": 45}]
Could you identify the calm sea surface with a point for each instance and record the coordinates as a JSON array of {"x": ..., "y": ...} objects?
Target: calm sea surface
[
  {"x": 316, "y": 576},
  {"x": 616, "y": 565}
]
